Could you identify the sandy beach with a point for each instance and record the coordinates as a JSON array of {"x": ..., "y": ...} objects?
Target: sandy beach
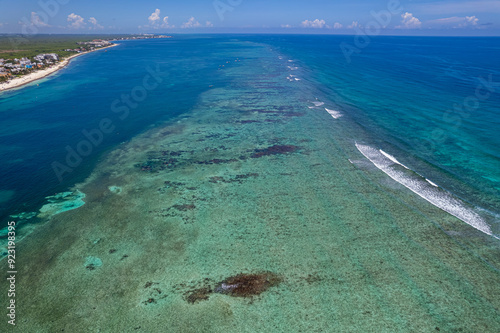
[{"x": 25, "y": 79}]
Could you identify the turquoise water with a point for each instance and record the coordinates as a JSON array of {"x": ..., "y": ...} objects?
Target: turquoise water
[
  {"x": 265, "y": 156},
  {"x": 419, "y": 96},
  {"x": 409, "y": 94},
  {"x": 40, "y": 121}
]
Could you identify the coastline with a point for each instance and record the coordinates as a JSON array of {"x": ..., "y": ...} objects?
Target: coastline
[
  {"x": 222, "y": 201},
  {"x": 261, "y": 184},
  {"x": 24, "y": 80}
]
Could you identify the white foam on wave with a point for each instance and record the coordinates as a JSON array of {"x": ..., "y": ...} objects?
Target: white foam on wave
[
  {"x": 318, "y": 103},
  {"x": 430, "y": 182},
  {"x": 297, "y": 79},
  {"x": 334, "y": 113},
  {"x": 392, "y": 158},
  {"x": 419, "y": 185},
  {"x": 293, "y": 68},
  {"x": 290, "y": 60}
]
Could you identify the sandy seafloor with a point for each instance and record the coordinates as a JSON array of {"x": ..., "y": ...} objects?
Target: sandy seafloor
[{"x": 253, "y": 180}]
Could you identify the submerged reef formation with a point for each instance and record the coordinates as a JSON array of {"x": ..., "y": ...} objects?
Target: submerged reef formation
[
  {"x": 62, "y": 202},
  {"x": 274, "y": 150},
  {"x": 241, "y": 285},
  {"x": 236, "y": 179},
  {"x": 91, "y": 263},
  {"x": 159, "y": 161}
]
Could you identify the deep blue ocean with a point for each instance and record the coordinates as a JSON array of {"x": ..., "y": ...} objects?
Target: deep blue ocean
[{"x": 431, "y": 102}]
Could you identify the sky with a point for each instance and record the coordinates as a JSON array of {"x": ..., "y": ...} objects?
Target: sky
[{"x": 374, "y": 17}]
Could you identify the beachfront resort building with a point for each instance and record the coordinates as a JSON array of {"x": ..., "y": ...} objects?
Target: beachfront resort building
[
  {"x": 19, "y": 66},
  {"x": 47, "y": 57}
]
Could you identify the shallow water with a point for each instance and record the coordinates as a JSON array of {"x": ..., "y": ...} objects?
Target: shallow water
[{"x": 257, "y": 177}]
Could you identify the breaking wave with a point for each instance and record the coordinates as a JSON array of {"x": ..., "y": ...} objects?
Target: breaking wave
[
  {"x": 334, "y": 113},
  {"x": 425, "y": 188}
]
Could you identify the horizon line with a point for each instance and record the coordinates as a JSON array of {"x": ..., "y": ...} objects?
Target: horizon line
[{"x": 242, "y": 33}]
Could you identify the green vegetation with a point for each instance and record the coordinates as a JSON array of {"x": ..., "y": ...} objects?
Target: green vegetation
[{"x": 18, "y": 46}]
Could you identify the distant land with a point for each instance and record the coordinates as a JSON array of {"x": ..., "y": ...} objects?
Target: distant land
[{"x": 25, "y": 58}]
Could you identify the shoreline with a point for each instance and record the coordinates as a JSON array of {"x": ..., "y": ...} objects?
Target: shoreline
[{"x": 32, "y": 77}]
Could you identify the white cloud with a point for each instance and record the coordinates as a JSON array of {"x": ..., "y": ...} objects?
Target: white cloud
[
  {"x": 471, "y": 20},
  {"x": 354, "y": 25},
  {"x": 209, "y": 24},
  {"x": 156, "y": 22},
  {"x": 36, "y": 21},
  {"x": 337, "y": 25},
  {"x": 165, "y": 23},
  {"x": 288, "y": 26},
  {"x": 96, "y": 25},
  {"x": 314, "y": 24},
  {"x": 76, "y": 21},
  {"x": 191, "y": 23},
  {"x": 409, "y": 22},
  {"x": 154, "y": 17},
  {"x": 454, "y": 22}
]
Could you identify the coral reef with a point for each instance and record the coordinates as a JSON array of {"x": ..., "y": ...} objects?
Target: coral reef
[
  {"x": 274, "y": 150},
  {"x": 247, "y": 285},
  {"x": 241, "y": 285},
  {"x": 236, "y": 179},
  {"x": 184, "y": 207}
]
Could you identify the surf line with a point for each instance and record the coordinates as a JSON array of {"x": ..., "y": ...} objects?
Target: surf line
[{"x": 435, "y": 195}]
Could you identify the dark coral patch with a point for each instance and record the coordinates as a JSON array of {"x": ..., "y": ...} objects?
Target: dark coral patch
[
  {"x": 247, "y": 285},
  {"x": 274, "y": 150},
  {"x": 149, "y": 301},
  {"x": 155, "y": 164},
  {"x": 216, "y": 179},
  {"x": 249, "y": 121},
  {"x": 172, "y": 153},
  {"x": 196, "y": 295},
  {"x": 247, "y": 175},
  {"x": 236, "y": 179},
  {"x": 241, "y": 285},
  {"x": 184, "y": 207},
  {"x": 266, "y": 111}
]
